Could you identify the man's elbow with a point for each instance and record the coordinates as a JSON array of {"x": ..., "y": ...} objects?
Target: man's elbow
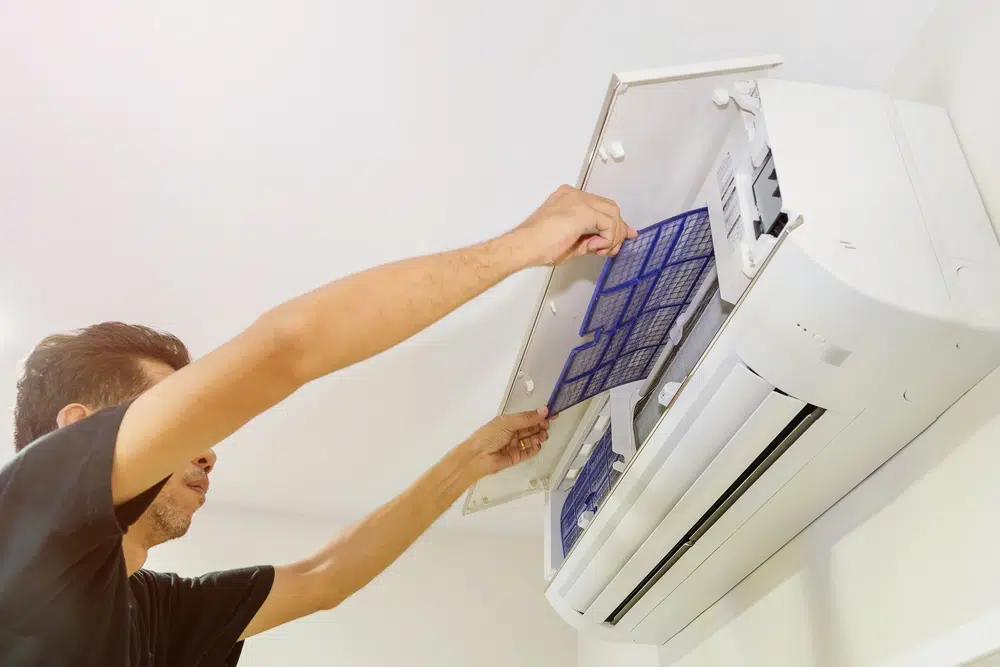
[
  {"x": 285, "y": 334},
  {"x": 330, "y": 601},
  {"x": 320, "y": 588},
  {"x": 322, "y": 595}
]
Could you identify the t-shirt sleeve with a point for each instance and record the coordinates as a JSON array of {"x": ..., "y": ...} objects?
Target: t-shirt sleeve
[
  {"x": 57, "y": 491},
  {"x": 200, "y": 620}
]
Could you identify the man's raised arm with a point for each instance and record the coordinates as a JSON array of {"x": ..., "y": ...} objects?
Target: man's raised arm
[
  {"x": 360, "y": 553},
  {"x": 309, "y": 336}
]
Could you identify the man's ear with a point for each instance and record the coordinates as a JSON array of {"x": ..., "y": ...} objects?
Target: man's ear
[{"x": 71, "y": 414}]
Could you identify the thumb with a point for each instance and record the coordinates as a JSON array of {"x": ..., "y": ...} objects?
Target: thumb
[
  {"x": 522, "y": 420},
  {"x": 590, "y": 244}
]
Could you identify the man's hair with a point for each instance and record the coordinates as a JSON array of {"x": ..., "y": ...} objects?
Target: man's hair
[{"x": 99, "y": 366}]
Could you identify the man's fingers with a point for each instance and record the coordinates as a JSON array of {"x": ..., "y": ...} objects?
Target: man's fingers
[
  {"x": 533, "y": 440},
  {"x": 608, "y": 222},
  {"x": 525, "y": 448},
  {"x": 605, "y": 225},
  {"x": 597, "y": 222},
  {"x": 608, "y": 210},
  {"x": 532, "y": 430},
  {"x": 622, "y": 233},
  {"x": 527, "y": 432},
  {"x": 523, "y": 420},
  {"x": 610, "y": 227},
  {"x": 598, "y": 245}
]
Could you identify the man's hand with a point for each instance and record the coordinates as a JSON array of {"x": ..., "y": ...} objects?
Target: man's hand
[
  {"x": 508, "y": 440},
  {"x": 569, "y": 224}
]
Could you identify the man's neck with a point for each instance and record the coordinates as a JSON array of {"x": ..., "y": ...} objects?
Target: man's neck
[{"x": 135, "y": 551}]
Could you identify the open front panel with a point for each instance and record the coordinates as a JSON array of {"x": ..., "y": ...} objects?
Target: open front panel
[{"x": 657, "y": 138}]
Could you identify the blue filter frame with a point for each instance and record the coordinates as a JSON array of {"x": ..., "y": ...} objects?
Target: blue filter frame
[
  {"x": 591, "y": 487},
  {"x": 638, "y": 297}
]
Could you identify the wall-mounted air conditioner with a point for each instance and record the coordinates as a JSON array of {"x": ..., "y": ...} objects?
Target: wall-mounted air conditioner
[{"x": 844, "y": 295}]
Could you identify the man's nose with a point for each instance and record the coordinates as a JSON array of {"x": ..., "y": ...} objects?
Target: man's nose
[{"x": 206, "y": 460}]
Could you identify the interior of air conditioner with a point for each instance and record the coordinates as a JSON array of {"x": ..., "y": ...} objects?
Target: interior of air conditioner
[{"x": 742, "y": 189}]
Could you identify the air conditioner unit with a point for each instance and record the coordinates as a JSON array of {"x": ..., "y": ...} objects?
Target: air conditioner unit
[{"x": 848, "y": 298}]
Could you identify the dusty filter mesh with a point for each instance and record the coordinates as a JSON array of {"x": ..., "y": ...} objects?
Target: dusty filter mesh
[
  {"x": 638, "y": 297},
  {"x": 592, "y": 485}
]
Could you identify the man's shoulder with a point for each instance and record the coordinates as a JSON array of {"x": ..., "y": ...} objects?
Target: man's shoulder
[
  {"x": 204, "y": 614},
  {"x": 102, "y": 424},
  {"x": 149, "y": 582},
  {"x": 147, "y": 578},
  {"x": 84, "y": 444}
]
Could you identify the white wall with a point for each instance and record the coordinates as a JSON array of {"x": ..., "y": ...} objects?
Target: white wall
[
  {"x": 953, "y": 64},
  {"x": 897, "y": 569},
  {"x": 453, "y": 600},
  {"x": 597, "y": 653}
]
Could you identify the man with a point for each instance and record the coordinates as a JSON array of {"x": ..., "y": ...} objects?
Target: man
[{"x": 115, "y": 431}]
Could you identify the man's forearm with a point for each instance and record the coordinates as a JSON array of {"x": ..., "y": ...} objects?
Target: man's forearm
[
  {"x": 361, "y": 315},
  {"x": 361, "y": 552}
]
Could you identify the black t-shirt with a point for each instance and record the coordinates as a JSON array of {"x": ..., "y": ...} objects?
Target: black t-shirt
[{"x": 65, "y": 597}]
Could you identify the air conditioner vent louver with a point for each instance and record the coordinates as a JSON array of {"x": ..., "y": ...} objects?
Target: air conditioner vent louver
[{"x": 806, "y": 417}]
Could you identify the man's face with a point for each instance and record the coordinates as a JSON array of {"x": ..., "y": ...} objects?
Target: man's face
[{"x": 184, "y": 493}]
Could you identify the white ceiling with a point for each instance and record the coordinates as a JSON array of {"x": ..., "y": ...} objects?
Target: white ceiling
[{"x": 189, "y": 164}]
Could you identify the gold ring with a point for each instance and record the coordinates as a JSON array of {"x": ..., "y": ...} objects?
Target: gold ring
[{"x": 522, "y": 444}]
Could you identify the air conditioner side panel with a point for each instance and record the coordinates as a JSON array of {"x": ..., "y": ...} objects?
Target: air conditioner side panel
[
  {"x": 819, "y": 339},
  {"x": 840, "y": 165}
]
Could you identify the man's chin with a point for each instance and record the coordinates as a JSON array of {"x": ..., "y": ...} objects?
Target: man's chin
[
  {"x": 180, "y": 528},
  {"x": 178, "y": 522}
]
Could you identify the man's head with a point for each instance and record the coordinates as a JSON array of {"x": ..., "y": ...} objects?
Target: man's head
[{"x": 71, "y": 375}]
